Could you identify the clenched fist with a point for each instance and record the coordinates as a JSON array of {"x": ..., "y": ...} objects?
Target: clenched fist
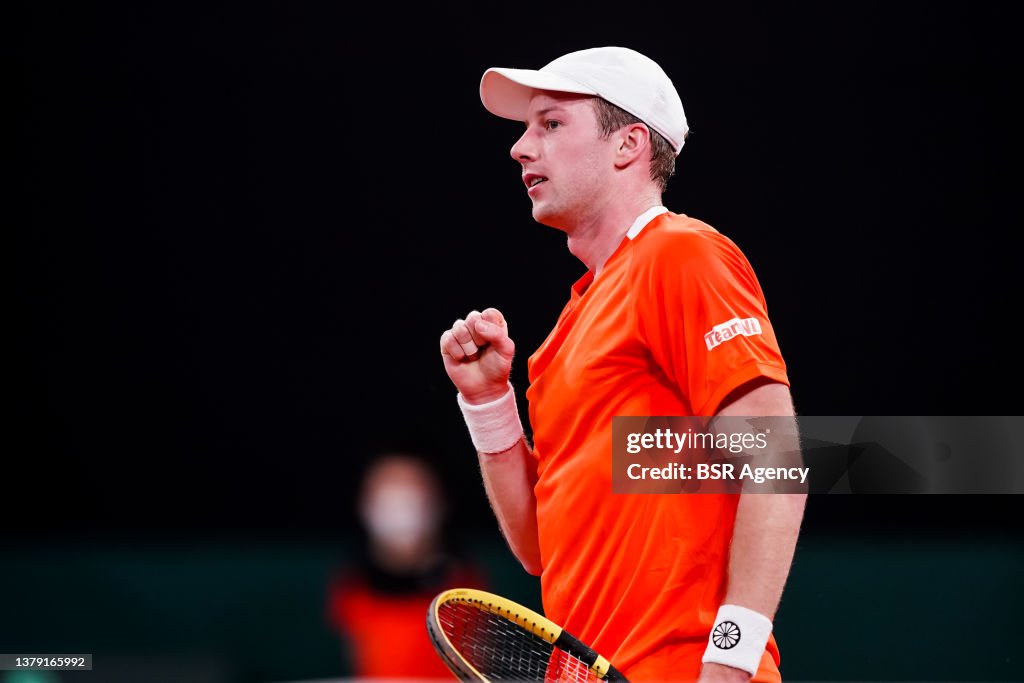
[{"x": 477, "y": 354}]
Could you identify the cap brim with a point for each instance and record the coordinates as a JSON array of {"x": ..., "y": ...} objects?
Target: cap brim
[{"x": 507, "y": 92}]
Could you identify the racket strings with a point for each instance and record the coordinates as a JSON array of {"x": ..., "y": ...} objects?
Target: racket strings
[
  {"x": 568, "y": 668},
  {"x": 503, "y": 651}
]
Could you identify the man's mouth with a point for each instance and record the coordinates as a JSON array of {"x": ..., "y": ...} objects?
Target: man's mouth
[{"x": 532, "y": 180}]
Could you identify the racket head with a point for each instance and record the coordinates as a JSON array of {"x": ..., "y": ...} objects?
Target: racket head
[{"x": 481, "y": 636}]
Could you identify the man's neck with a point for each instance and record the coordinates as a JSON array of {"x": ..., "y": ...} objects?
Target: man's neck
[{"x": 595, "y": 239}]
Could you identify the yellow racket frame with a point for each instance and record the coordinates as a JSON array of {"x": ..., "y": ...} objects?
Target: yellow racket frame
[{"x": 523, "y": 617}]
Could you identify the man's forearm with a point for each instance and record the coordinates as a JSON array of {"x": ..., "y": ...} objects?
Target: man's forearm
[
  {"x": 509, "y": 479},
  {"x": 763, "y": 544},
  {"x": 767, "y": 524},
  {"x": 764, "y": 540}
]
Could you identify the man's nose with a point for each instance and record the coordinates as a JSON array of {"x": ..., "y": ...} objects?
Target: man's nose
[{"x": 525, "y": 148}]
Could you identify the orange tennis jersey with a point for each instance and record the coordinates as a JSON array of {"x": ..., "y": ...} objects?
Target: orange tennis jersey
[{"x": 640, "y": 577}]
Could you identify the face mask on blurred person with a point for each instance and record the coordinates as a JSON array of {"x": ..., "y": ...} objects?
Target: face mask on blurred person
[{"x": 399, "y": 515}]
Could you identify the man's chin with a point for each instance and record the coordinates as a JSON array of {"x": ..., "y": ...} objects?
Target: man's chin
[{"x": 547, "y": 217}]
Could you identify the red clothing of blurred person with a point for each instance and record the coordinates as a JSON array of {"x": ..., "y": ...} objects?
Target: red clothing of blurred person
[
  {"x": 382, "y": 614},
  {"x": 379, "y": 604}
]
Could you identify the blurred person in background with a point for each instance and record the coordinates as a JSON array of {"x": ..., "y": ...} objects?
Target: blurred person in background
[{"x": 379, "y": 603}]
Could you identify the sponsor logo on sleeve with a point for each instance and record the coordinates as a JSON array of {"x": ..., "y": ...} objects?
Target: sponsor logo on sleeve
[{"x": 746, "y": 327}]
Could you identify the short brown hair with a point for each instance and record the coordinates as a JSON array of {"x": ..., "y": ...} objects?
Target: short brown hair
[{"x": 663, "y": 157}]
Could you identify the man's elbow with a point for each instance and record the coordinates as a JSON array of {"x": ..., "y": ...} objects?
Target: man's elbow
[
  {"x": 532, "y": 567},
  {"x": 530, "y": 559}
]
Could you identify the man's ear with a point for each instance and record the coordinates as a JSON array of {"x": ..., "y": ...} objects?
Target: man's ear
[{"x": 634, "y": 139}]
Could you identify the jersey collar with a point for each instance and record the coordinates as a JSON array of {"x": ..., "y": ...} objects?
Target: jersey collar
[
  {"x": 643, "y": 219},
  {"x": 641, "y": 222}
]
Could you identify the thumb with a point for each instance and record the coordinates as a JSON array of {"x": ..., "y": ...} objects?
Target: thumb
[
  {"x": 493, "y": 315},
  {"x": 488, "y": 330},
  {"x": 496, "y": 335}
]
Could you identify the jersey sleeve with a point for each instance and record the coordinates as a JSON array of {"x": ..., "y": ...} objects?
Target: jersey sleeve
[{"x": 704, "y": 318}]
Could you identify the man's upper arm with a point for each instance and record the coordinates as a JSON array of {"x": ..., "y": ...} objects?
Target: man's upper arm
[{"x": 759, "y": 398}]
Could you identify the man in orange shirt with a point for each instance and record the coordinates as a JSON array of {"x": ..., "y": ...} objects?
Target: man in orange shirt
[{"x": 668, "y": 320}]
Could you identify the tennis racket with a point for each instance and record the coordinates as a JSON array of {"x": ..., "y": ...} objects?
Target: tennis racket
[{"x": 485, "y": 637}]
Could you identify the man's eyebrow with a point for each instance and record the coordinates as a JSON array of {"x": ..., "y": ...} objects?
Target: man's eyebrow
[{"x": 544, "y": 112}]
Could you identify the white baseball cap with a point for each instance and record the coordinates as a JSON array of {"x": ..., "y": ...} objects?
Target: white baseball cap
[{"x": 622, "y": 76}]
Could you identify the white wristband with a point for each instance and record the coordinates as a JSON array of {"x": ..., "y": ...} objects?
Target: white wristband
[
  {"x": 494, "y": 427},
  {"x": 738, "y": 638}
]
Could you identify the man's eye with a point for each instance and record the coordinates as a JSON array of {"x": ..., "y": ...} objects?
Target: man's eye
[{"x": 551, "y": 125}]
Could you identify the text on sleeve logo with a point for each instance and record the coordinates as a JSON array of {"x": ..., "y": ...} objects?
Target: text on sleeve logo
[{"x": 747, "y": 327}]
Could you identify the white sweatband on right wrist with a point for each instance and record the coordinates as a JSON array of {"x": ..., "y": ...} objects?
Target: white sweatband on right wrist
[
  {"x": 738, "y": 638},
  {"x": 494, "y": 427}
]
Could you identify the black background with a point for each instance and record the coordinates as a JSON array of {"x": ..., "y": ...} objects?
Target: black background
[{"x": 244, "y": 227}]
